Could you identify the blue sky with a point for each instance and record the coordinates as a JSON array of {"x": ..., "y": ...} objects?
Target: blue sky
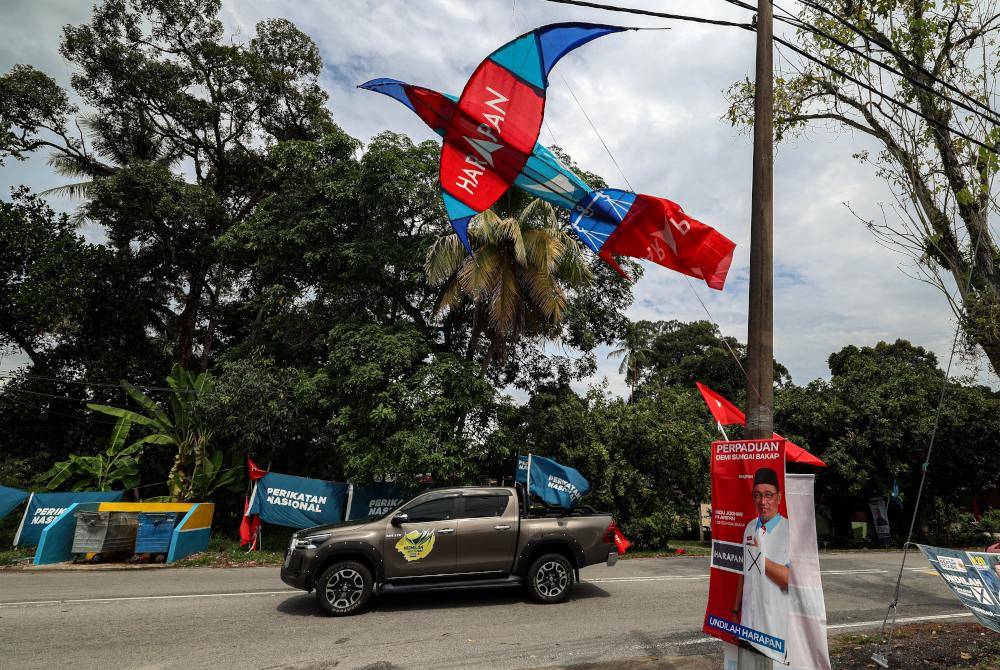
[{"x": 657, "y": 99}]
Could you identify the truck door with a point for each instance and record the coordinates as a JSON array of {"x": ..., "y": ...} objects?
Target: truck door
[
  {"x": 425, "y": 544},
  {"x": 487, "y": 532}
]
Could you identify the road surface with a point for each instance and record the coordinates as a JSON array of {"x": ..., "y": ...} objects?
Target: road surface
[{"x": 247, "y": 618}]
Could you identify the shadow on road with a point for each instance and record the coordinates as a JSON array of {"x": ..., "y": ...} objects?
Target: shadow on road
[{"x": 306, "y": 605}]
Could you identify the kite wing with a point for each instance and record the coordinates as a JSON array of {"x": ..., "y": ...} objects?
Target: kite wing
[
  {"x": 492, "y": 133},
  {"x": 608, "y": 221}
]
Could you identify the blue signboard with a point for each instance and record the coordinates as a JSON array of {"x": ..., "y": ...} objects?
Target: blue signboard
[
  {"x": 298, "y": 502},
  {"x": 974, "y": 577},
  {"x": 9, "y": 499},
  {"x": 372, "y": 501},
  {"x": 43, "y": 508},
  {"x": 556, "y": 484}
]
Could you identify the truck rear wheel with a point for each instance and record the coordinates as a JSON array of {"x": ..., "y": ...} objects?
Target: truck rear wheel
[
  {"x": 344, "y": 588},
  {"x": 550, "y": 578}
]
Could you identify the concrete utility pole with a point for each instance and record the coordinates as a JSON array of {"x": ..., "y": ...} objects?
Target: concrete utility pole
[{"x": 760, "y": 335}]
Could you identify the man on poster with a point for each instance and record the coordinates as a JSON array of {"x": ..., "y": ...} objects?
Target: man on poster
[
  {"x": 762, "y": 595},
  {"x": 748, "y": 603}
]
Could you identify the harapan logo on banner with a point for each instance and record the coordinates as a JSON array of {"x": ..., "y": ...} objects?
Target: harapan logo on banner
[{"x": 748, "y": 598}]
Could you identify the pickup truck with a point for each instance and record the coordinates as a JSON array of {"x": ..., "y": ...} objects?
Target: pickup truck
[{"x": 449, "y": 538}]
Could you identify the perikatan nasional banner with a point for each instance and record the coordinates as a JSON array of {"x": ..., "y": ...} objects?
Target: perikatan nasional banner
[
  {"x": 974, "y": 577},
  {"x": 297, "y": 502},
  {"x": 43, "y": 508},
  {"x": 748, "y": 597}
]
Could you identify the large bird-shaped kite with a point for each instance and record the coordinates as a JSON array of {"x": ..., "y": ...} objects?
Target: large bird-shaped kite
[{"x": 491, "y": 143}]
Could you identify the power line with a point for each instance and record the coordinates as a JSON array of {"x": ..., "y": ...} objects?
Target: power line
[
  {"x": 659, "y": 15},
  {"x": 801, "y": 52},
  {"x": 887, "y": 45}
]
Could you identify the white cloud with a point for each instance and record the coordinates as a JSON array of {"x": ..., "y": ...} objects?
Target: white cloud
[{"x": 656, "y": 98}]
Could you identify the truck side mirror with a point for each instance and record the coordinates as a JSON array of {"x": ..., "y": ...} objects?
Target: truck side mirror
[{"x": 400, "y": 519}]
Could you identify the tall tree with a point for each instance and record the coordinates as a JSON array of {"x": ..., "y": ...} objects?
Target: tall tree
[
  {"x": 213, "y": 102},
  {"x": 944, "y": 57}
]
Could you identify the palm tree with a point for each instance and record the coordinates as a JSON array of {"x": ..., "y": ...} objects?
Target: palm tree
[
  {"x": 116, "y": 142},
  {"x": 517, "y": 280},
  {"x": 635, "y": 350}
]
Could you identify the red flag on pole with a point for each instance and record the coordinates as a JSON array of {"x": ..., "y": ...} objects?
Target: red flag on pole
[
  {"x": 249, "y": 526},
  {"x": 726, "y": 413},
  {"x": 254, "y": 471}
]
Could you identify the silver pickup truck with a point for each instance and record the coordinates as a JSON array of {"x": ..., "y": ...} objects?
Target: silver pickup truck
[{"x": 449, "y": 538}]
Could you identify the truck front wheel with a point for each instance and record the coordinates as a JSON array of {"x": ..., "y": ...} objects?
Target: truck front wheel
[
  {"x": 344, "y": 588},
  {"x": 550, "y": 578}
]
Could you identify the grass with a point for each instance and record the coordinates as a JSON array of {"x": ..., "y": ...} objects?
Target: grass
[
  {"x": 226, "y": 552},
  {"x": 675, "y": 548},
  {"x": 16, "y": 556}
]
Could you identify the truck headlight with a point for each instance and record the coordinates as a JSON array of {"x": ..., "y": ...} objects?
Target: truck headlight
[{"x": 309, "y": 541}]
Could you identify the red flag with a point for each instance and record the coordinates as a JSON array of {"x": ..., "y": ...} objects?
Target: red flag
[
  {"x": 796, "y": 454},
  {"x": 249, "y": 526},
  {"x": 724, "y": 411},
  {"x": 658, "y": 230},
  {"x": 618, "y": 539},
  {"x": 727, "y": 414},
  {"x": 254, "y": 471}
]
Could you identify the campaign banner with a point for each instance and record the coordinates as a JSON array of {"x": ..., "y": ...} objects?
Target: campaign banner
[
  {"x": 521, "y": 476},
  {"x": 297, "y": 502},
  {"x": 748, "y": 597},
  {"x": 880, "y": 515},
  {"x": 9, "y": 499},
  {"x": 370, "y": 501},
  {"x": 554, "y": 483},
  {"x": 43, "y": 508},
  {"x": 974, "y": 577}
]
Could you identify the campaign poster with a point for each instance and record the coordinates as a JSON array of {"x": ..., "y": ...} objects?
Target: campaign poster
[
  {"x": 297, "y": 502},
  {"x": 880, "y": 515},
  {"x": 748, "y": 599},
  {"x": 974, "y": 577}
]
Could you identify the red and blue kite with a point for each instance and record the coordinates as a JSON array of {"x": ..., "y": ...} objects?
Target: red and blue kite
[{"x": 491, "y": 143}]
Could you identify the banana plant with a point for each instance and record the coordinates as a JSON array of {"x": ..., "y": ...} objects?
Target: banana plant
[
  {"x": 117, "y": 465},
  {"x": 181, "y": 429}
]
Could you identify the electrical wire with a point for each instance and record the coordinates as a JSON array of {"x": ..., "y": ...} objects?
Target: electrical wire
[
  {"x": 801, "y": 52},
  {"x": 895, "y": 52}
]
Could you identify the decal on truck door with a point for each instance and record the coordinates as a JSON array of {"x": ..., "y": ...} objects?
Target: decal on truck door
[{"x": 416, "y": 544}]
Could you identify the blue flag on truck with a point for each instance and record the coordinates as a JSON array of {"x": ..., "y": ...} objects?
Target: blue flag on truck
[
  {"x": 367, "y": 501},
  {"x": 43, "y": 508},
  {"x": 554, "y": 483},
  {"x": 974, "y": 577},
  {"x": 9, "y": 499},
  {"x": 298, "y": 502}
]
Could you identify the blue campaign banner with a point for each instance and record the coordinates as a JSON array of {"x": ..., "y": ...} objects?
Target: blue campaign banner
[
  {"x": 372, "y": 501},
  {"x": 9, "y": 499},
  {"x": 298, "y": 502},
  {"x": 521, "y": 477},
  {"x": 556, "y": 484},
  {"x": 974, "y": 577},
  {"x": 43, "y": 508}
]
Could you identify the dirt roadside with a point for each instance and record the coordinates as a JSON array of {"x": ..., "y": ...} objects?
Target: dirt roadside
[{"x": 927, "y": 646}]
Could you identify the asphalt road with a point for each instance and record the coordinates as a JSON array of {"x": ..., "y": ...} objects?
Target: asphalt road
[{"x": 247, "y": 618}]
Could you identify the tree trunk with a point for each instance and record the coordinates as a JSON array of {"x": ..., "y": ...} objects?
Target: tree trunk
[{"x": 189, "y": 318}]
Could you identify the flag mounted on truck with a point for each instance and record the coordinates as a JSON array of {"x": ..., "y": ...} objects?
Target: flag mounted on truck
[{"x": 553, "y": 483}]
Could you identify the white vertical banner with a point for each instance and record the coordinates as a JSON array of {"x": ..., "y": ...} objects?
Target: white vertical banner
[
  {"x": 806, "y": 634},
  {"x": 807, "y": 642}
]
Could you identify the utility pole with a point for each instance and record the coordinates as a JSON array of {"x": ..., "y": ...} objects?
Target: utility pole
[{"x": 760, "y": 335}]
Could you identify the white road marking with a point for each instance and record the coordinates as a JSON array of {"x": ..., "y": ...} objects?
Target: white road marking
[
  {"x": 118, "y": 599},
  {"x": 668, "y": 578},
  {"x": 599, "y": 580},
  {"x": 912, "y": 619}
]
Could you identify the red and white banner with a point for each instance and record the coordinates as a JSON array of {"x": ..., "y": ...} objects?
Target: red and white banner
[{"x": 748, "y": 598}]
